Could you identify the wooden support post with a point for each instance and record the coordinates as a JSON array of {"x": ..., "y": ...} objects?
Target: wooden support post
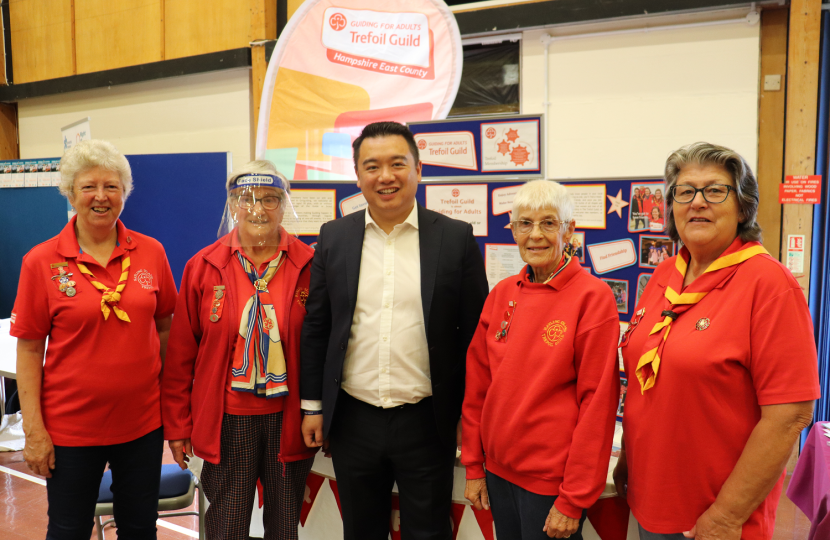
[
  {"x": 263, "y": 26},
  {"x": 802, "y": 107},
  {"x": 9, "y": 144},
  {"x": 771, "y": 116}
]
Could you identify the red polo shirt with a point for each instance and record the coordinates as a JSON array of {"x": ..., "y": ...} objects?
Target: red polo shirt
[
  {"x": 747, "y": 343},
  {"x": 100, "y": 377}
]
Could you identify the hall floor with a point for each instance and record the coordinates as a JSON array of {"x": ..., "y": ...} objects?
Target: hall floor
[{"x": 23, "y": 508}]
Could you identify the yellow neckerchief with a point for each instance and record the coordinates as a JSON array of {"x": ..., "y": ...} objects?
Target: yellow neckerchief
[
  {"x": 110, "y": 297},
  {"x": 676, "y": 303}
]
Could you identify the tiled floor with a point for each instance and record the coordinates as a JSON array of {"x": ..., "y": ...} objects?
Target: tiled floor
[
  {"x": 23, "y": 509},
  {"x": 23, "y": 506}
]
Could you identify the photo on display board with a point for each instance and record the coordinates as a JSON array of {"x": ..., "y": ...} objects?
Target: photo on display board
[
  {"x": 647, "y": 207},
  {"x": 623, "y": 392},
  {"x": 578, "y": 246},
  {"x": 620, "y": 289},
  {"x": 642, "y": 281},
  {"x": 654, "y": 250}
]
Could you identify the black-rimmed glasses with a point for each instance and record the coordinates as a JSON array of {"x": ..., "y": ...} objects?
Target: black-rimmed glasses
[{"x": 713, "y": 193}]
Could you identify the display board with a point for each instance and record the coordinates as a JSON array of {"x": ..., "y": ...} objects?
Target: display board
[
  {"x": 484, "y": 147},
  {"x": 613, "y": 242}
]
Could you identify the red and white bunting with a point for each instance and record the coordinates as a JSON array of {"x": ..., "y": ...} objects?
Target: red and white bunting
[
  {"x": 312, "y": 488},
  {"x": 333, "y": 486},
  {"x": 609, "y": 518},
  {"x": 485, "y": 523}
]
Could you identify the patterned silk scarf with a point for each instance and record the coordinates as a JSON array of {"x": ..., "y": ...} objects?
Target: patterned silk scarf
[
  {"x": 110, "y": 297},
  {"x": 676, "y": 303},
  {"x": 258, "y": 361}
]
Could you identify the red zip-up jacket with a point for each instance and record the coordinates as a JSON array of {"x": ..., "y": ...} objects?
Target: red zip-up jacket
[
  {"x": 198, "y": 352},
  {"x": 540, "y": 403}
]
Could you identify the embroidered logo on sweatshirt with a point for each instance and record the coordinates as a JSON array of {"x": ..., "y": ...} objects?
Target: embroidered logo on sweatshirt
[
  {"x": 554, "y": 332},
  {"x": 144, "y": 278}
]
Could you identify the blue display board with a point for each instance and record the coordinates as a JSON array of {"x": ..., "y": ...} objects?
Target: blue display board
[
  {"x": 178, "y": 199},
  {"x": 482, "y": 148},
  {"x": 28, "y": 217}
]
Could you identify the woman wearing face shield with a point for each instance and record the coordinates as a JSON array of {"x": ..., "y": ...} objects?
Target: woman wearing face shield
[{"x": 230, "y": 387}]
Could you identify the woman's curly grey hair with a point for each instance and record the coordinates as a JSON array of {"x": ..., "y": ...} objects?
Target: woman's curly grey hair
[
  {"x": 746, "y": 185},
  {"x": 88, "y": 155}
]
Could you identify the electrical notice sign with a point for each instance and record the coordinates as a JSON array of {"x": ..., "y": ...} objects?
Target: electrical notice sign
[{"x": 804, "y": 189}]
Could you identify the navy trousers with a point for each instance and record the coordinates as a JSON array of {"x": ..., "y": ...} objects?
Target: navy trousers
[
  {"x": 72, "y": 492},
  {"x": 519, "y": 514}
]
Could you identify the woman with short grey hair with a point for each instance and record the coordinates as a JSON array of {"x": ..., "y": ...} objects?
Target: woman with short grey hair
[
  {"x": 545, "y": 439},
  {"x": 721, "y": 347},
  {"x": 89, "y": 155},
  {"x": 104, "y": 297}
]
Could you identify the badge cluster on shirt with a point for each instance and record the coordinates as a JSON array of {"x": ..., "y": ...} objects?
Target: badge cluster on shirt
[
  {"x": 508, "y": 318},
  {"x": 65, "y": 284},
  {"x": 635, "y": 320},
  {"x": 218, "y": 303}
]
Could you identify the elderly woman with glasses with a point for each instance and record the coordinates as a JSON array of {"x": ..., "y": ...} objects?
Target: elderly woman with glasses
[
  {"x": 103, "y": 295},
  {"x": 722, "y": 361},
  {"x": 542, "y": 381},
  {"x": 230, "y": 388}
]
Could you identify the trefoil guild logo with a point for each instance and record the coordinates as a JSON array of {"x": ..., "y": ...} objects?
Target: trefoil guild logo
[{"x": 337, "y": 22}]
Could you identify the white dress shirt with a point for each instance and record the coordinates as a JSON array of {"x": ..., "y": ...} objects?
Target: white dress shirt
[{"x": 387, "y": 359}]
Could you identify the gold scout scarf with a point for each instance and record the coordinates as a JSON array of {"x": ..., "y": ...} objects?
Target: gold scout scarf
[
  {"x": 258, "y": 361},
  {"x": 110, "y": 297},
  {"x": 676, "y": 303}
]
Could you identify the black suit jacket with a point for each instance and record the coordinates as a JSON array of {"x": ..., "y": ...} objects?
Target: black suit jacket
[{"x": 453, "y": 290}]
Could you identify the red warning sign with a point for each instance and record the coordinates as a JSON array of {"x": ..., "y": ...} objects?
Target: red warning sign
[{"x": 804, "y": 189}]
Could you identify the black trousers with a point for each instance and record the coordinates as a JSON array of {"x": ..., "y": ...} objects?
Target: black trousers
[
  {"x": 372, "y": 448},
  {"x": 72, "y": 491}
]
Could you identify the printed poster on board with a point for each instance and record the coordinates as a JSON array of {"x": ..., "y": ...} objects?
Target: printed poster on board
[
  {"x": 340, "y": 65},
  {"x": 510, "y": 146}
]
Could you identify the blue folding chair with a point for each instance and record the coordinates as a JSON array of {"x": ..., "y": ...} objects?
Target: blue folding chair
[{"x": 176, "y": 491}]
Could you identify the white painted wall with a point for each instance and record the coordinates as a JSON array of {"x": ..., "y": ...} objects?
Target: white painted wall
[
  {"x": 209, "y": 112},
  {"x": 620, "y": 104}
]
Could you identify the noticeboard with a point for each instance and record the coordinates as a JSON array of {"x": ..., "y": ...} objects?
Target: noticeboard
[{"x": 483, "y": 147}]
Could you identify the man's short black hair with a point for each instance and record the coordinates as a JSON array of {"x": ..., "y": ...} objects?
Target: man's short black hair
[{"x": 385, "y": 129}]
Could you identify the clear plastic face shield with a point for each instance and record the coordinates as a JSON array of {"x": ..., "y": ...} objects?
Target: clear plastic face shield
[{"x": 258, "y": 212}]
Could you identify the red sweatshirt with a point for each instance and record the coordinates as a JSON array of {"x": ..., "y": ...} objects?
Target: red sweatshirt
[{"x": 540, "y": 403}]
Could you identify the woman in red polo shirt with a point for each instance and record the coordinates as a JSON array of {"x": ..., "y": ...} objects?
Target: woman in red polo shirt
[
  {"x": 723, "y": 360},
  {"x": 104, "y": 296},
  {"x": 230, "y": 388}
]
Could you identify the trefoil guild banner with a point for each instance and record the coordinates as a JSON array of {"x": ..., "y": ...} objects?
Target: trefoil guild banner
[{"x": 340, "y": 65}]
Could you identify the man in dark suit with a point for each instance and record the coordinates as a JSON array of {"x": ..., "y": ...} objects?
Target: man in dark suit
[{"x": 395, "y": 297}]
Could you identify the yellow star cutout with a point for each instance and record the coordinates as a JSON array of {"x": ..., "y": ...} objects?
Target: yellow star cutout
[{"x": 617, "y": 203}]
